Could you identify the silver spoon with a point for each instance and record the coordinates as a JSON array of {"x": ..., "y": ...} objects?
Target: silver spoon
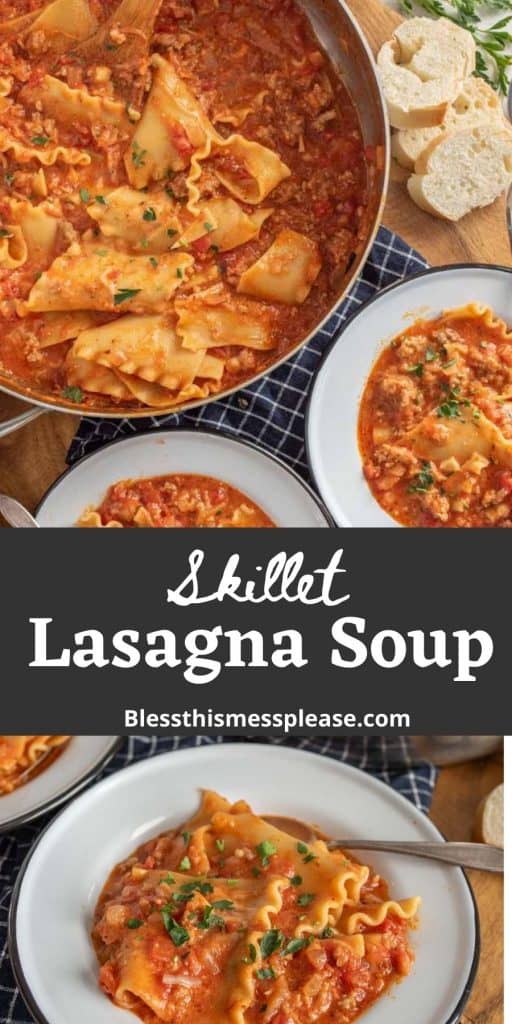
[
  {"x": 465, "y": 855},
  {"x": 15, "y": 513}
]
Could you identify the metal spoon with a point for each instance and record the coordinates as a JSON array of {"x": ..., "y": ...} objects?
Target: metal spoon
[
  {"x": 465, "y": 855},
  {"x": 15, "y": 513}
]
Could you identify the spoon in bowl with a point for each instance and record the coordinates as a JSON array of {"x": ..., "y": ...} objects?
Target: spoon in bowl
[
  {"x": 15, "y": 513},
  {"x": 464, "y": 855}
]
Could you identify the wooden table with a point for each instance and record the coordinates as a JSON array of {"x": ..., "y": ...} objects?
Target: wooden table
[{"x": 457, "y": 795}]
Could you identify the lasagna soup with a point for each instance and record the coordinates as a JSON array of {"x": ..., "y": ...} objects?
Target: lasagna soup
[
  {"x": 228, "y": 919},
  {"x": 178, "y": 500},
  {"x": 20, "y": 757},
  {"x": 182, "y": 187},
  {"x": 435, "y": 423}
]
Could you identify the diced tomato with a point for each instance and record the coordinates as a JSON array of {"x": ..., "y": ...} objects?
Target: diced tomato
[
  {"x": 201, "y": 245},
  {"x": 149, "y": 862},
  {"x": 180, "y": 140}
]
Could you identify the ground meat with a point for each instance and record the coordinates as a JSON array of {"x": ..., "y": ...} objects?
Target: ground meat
[
  {"x": 397, "y": 396},
  {"x": 437, "y": 504}
]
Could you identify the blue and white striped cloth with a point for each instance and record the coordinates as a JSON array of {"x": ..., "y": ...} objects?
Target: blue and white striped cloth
[
  {"x": 271, "y": 411},
  {"x": 389, "y": 759}
]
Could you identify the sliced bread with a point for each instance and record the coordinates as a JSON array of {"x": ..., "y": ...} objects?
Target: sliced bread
[
  {"x": 461, "y": 171},
  {"x": 477, "y": 104},
  {"x": 422, "y": 68},
  {"x": 489, "y": 825}
]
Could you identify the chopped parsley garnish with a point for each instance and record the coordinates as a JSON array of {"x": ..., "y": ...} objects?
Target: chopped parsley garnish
[
  {"x": 430, "y": 355},
  {"x": 232, "y": 882},
  {"x": 296, "y": 880},
  {"x": 85, "y": 195},
  {"x": 169, "y": 880},
  {"x": 223, "y": 904},
  {"x": 179, "y": 273},
  {"x": 40, "y": 140},
  {"x": 101, "y": 200},
  {"x": 220, "y": 844},
  {"x": 210, "y": 919},
  {"x": 175, "y": 931},
  {"x": 186, "y": 837},
  {"x": 138, "y": 155},
  {"x": 153, "y": 260},
  {"x": 72, "y": 394},
  {"x": 270, "y": 942},
  {"x": 450, "y": 408},
  {"x": 305, "y": 899},
  {"x": 422, "y": 481},
  {"x": 327, "y": 933},
  {"x": 171, "y": 232},
  {"x": 251, "y": 956},
  {"x": 185, "y": 864},
  {"x": 208, "y": 227},
  {"x": 5, "y": 233},
  {"x": 265, "y": 851},
  {"x": 305, "y": 853},
  {"x": 215, "y": 248},
  {"x": 417, "y": 369},
  {"x": 9, "y": 179},
  {"x": 149, "y": 214},
  {"x": 264, "y": 973},
  {"x": 125, "y": 293},
  {"x": 295, "y": 946},
  {"x": 256, "y": 872},
  {"x": 134, "y": 922},
  {"x": 170, "y": 192}
]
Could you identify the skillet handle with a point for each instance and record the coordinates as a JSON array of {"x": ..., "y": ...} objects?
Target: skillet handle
[{"x": 9, "y": 426}]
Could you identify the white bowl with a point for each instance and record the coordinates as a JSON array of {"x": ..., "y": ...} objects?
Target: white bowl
[
  {"x": 331, "y": 421},
  {"x": 276, "y": 488},
  {"x": 77, "y": 763},
  {"x": 59, "y": 884}
]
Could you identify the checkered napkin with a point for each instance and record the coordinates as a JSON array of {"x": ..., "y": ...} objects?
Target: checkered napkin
[
  {"x": 389, "y": 759},
  {"x": 271, "y": 411}
]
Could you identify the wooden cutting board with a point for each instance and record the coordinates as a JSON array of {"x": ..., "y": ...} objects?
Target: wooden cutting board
[{"x": 32, "y": 458}]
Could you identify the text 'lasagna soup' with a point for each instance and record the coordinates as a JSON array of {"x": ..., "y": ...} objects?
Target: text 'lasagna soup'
[
  {"x": 21, "y": 757},
  {"x": 181, "y": 186},
  {"x": 435, "y": 422},
  {"x": 177, "y": 500},
  {"x": 228, "y": 920}
]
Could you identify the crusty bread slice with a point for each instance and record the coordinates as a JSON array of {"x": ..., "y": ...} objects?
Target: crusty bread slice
[
  {"x": 477, "y": 104},
  {"x": 422, "y": 68},
  {"x": 489, "y": 824},
  {"x": 461, "y": 171},
  {"x": 434, "y": 48}
]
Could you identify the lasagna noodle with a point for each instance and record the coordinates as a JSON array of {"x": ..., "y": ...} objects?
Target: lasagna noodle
[
  {"x": 285, "y": 272},
  {"x": 215, "y": 317},
  {"x": 102, "y": 279},
  {"x": 146, "y": 347},
  {"x": 47, "y": 154},
  {"x": 18, "y": 754},
  {"x": 173, "y": 125},
  {"x": 60, "y": 23},
  {"x": 32, "y": 234},
  {"x": 469, "y": 433},
  {"x": 78, "y": 105}
]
